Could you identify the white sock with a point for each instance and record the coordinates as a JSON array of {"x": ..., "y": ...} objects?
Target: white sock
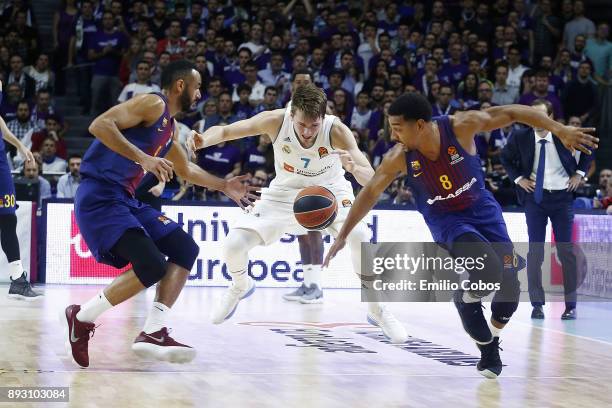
[
  {"x": 15, "y": 269},
  {"x": 157, "y": 318},
  {"x": 316, "y": 275},
  {"x": 93, "y": 308},
  {"x": 240, "y": 279},
  {"x": 307, "y": 275},
  {"x": 467, "y": 298},
  {"x": 494, "y": 330}
]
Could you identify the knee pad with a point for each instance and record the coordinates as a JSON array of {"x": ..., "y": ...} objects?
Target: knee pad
[
  {"x": 180, "y": 248},
  {"x": 506, "y": 299},
  {"x": 150, "y": 269}
]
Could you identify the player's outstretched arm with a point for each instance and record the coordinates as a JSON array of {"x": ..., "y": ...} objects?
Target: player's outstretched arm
[
  {"x": 267, "y": 122},
  {"x": 353, "y": 160},
  {"x": 467, "y": 124},
  {"x": 234, "y": 187},
  {"x": 142, "y": 109},
  {"x": 12, "y": 139},
  {"x": 392, "y": 166}
]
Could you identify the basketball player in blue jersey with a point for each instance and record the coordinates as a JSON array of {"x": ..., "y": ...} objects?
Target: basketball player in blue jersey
[
  {"x": 20, "y": 286},
  {"x": 438, "y": 158},
  {"x": 132, "y": 138}
]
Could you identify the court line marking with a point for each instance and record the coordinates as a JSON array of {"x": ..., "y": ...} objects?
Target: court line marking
[{"x": 564, "y": 333}]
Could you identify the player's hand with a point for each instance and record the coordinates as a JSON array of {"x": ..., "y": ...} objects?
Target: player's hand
[
  {"x": 527, "y": 184},
  {"x": 574, "y": 138},
  {"x": 160, "y": 167},
  {"x": 195, "y": 141},
  {"x": 347, "y": 160},
  {"x": 574, "y": 182},
  {"x": 242, "y": 194},
  {"x": 337, "y": 246}
]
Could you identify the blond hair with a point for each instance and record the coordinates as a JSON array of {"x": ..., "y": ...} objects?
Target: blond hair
[{"x": 309, "y": 99}]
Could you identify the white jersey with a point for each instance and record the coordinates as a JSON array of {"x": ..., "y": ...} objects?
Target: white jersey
[{"x": 298, "y": 167}]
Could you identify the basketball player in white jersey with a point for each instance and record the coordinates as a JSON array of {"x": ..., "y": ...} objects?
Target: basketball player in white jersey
[{"x": 310, "y": 148}]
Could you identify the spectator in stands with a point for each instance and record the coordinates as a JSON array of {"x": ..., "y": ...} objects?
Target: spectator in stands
[
  {"x": 578, "y": 25},
  {"x": 242, "y": 108},
  {"x": 275, "y": 75},
  {"x": 540, "y": 91},
  {"x": 210, "y": 116},
  {"x": 605, "y": 202},
  {"x": 44, "y": 78},
  {"x": 580, "y": 95},
  {"x": 27, "y": 33},
  {"x": 43, "y": 108},
  {"x": 361, "y": 113},
  {"x": 605, "y": 175},
  {"x": 515, "y": 68},
  {"x": 51, "y": 163},
  {"x": 546, "y": 32},
  {"x": 173, "y": 44},
  {"x": 52, "y": 130},
  {"x": 159, "y": 23},
  {"x": 130, "y": 60},
  {"x": 502, "y": 93},
  {"x": 105, "y": 50},
  {"x": 259, "y": 156},
  {"x": 142, "y": 85},
  {"x": 260, "y": 178},
  {"x": 23, "y": 123},
  {"x": 17, "y": 75},
  {"x": 257, "y": 88},
  {"x": 69, "y": 182},
  {"x": 599, "y": 50},
  {"x": 31, "y": 172},
  {"x": 467, "y": 91},
  {"x": 269, "y": 101},
  {"x": 85, "y": 27},
  {"x": 485, "y": 93},
  {"x": 443, "y": 102},
  {"x": 255, "y": 41},
  {"x": 64, "y": 23},
  {"x": 500, "y": 184},
  {"x": 14, "y": 95}
]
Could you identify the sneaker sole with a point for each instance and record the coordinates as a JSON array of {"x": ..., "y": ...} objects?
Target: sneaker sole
[
  {"x": 374, "y": 322},
  {"x": 24, "y": 298},
  {"x": 310, "y": 301},
  {"x": 171, "y": 354},
  {"x": 67, "y": 348},
  {"x": 246, "y": 295},
  {"x": 488, "y": 374},
  {"x": 291, "y": 298}
]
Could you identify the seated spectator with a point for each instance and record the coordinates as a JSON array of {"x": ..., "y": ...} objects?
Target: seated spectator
[
  {"x": 498, "y": 182},
  {"x": 275, "y": 75},
  {"x": 257, "y": 88},
  {"x": 209, "y": 112},
  {"x": 8, "y": 108},
  {"x": 40, "y": 72},
  {"x": 403, "y": 195},
  {"x": 605, "y": 175},
  {"x": 260, "y": 178},
  {"x": 142, "y": 85},
  {"x": 599, "y": 51},
  {"x": 467, "y": 91},
  {"x": 18, "y": 75},
  {"x": 443, "y": 105},
  {"x": 51, "y": 163},
  {"x": 23, "y": 123},
  {"x": 262, "y": 155},
  {"x": 503, "y": 94},
  {"x": 361, "y": 113},
  {"x": 130, "y": 60},
  {"x": 31, "y": 173},
  {"x": 540, "y": 91},
  {"x": 485, "y": 93},
  {"x": 605, "y": 202},
  {"x": 242, "y": 108},
  {"x": 43, "y": 108},
  {"x": 269, "y": 102},
  {"x": 173, "y": 44},
  {"x": 69, "y": 182},
  {"x": 498, "y": 139},
  {"x": 53, "y": 130},
  {"x": 225, "y": 108}
]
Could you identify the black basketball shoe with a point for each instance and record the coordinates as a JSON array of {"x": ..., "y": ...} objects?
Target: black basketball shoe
[
  {"x": 490, "y": 364},
  {"x": 21, "y": 289},
  {"x": 474, "y": 322}
]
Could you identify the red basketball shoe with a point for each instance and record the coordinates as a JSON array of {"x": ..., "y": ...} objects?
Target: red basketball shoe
[
  {"x": 77, "y": 335},
  {"x": 160, "y": 346}
]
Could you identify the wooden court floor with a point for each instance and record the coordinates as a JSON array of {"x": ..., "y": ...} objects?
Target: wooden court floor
[{"x": 274, "y": 353}]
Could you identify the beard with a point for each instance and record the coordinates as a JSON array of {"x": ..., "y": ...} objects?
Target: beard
[{"x": 185, "y": 101}]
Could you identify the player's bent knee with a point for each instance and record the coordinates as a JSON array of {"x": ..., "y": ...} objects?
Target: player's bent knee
[
  {"x": 180, "y": 248},
  {"x": 150, "y": 269}
]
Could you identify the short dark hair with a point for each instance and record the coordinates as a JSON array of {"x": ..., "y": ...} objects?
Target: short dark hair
[
  {"x": 303, "y": 71},
  {"x": 244, "y": 87},
  {"x": 411, "y": 106},
  {"x": 270, "y": 88},
  {"x": 74, "y": 156},
  {"x": 176, "y": 70},
  {"x": 549, "y": 106}
]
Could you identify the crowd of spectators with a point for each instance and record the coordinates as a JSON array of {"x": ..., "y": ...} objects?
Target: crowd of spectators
[{"x": 461, "y": 54}]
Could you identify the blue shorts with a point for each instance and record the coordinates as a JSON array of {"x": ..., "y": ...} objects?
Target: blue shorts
[
  {"x": 8, "y": 201},
  {"x": 105, "y": 211},
  {"x": 483, "y": 219}
]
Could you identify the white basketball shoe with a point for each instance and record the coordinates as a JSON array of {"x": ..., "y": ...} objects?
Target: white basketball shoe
[
  {"x": 229, "y": 302},
  {"x": 379, "y": 315}
]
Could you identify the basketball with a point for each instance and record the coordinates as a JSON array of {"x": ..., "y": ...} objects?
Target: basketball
[{"x": 315, "y": 208}]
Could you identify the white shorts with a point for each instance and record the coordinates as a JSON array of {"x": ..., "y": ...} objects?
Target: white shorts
[{"x": 272, "y": 219}]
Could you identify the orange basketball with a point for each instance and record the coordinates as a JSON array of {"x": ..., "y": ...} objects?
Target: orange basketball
[{"x": 315, "y": 208}]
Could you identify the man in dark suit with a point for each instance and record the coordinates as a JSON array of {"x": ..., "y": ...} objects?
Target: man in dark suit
[{"x": 546, "y": 175}]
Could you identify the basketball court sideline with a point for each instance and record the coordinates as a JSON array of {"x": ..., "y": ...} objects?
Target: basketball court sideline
[{"x": 277, "y": 353}]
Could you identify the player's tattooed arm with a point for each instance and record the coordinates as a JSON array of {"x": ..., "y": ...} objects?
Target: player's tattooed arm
[
  {"x": 392, "y": 166},
  {"x": 353, "y": 160},
  {"x": 268, "y": 122},
  {"x": 467, "y": 124},
  {"x": 140, "y": 110}
]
